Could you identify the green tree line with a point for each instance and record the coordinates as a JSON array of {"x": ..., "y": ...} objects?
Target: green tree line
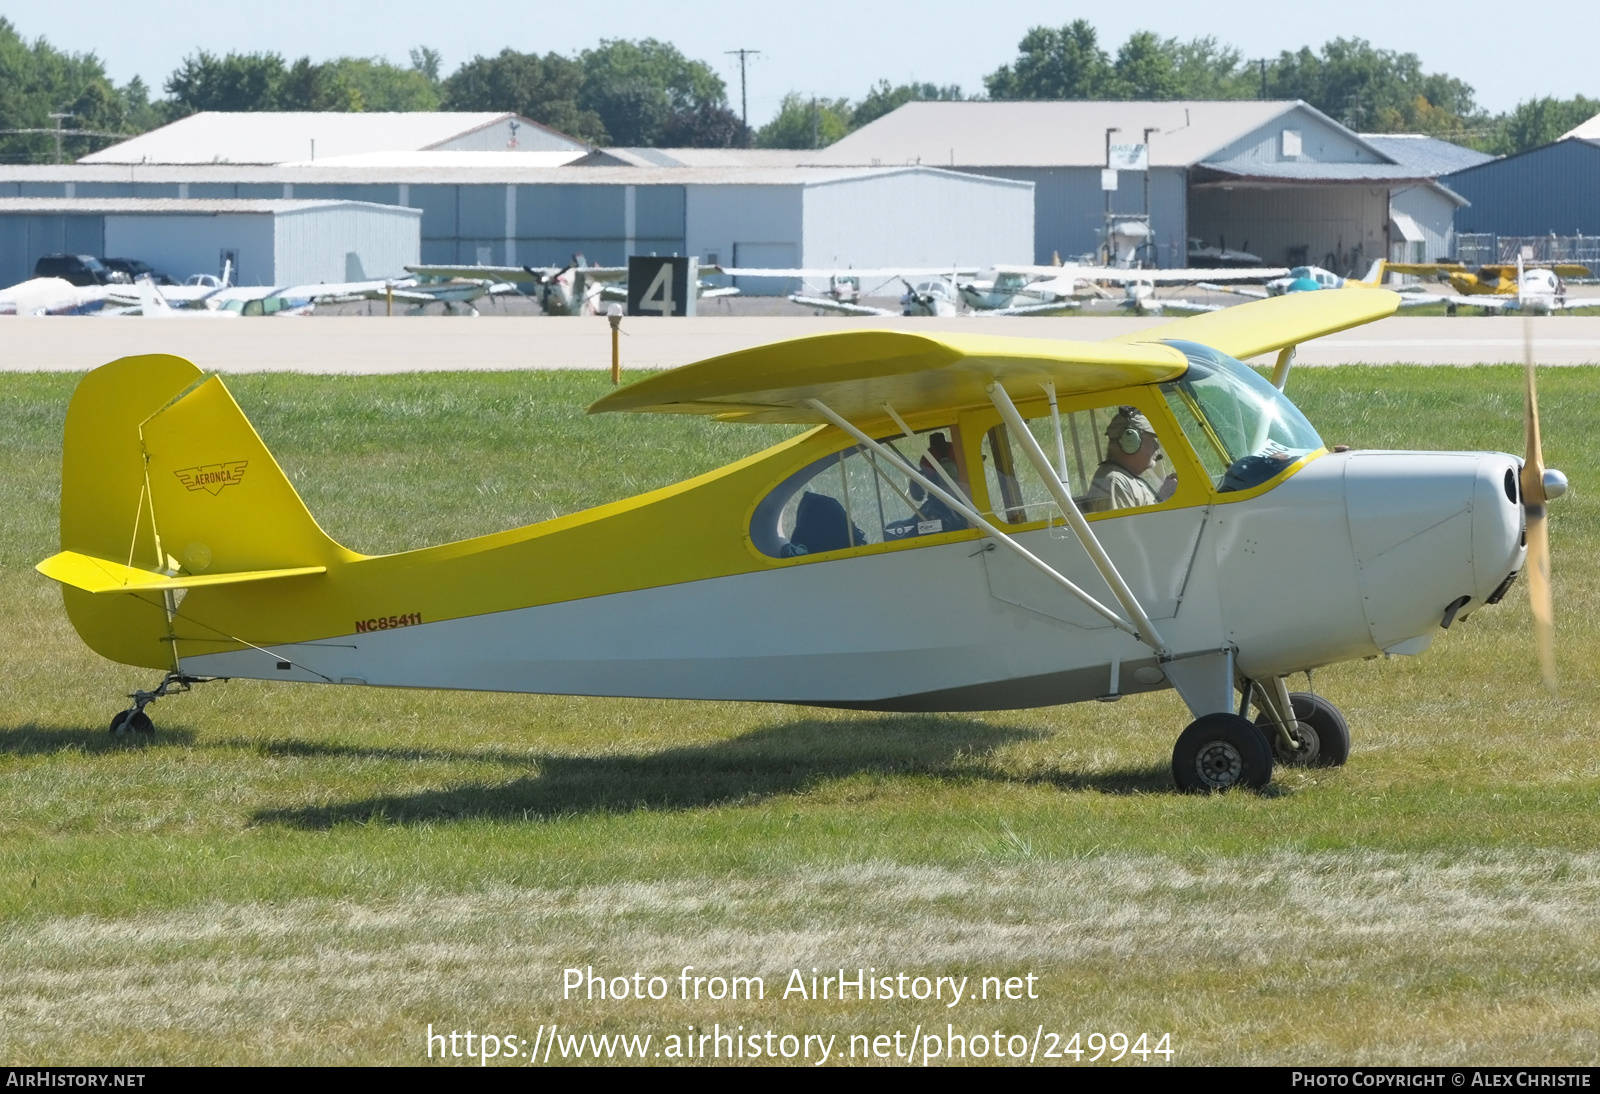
[{"x": 647, "y": 93}]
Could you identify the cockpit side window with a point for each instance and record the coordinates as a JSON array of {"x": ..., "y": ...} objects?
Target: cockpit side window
[
  {"x": 854, "y": 498},
  {"x": 1110, "y": 457}
]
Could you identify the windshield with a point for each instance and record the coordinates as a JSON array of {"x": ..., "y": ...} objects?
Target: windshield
[{"x": 1244, "y": 429}]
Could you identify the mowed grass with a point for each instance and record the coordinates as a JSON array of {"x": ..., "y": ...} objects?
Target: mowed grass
[{"x": 303, "y": 874}]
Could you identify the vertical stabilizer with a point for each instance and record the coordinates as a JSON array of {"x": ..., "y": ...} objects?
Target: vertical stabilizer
[{"x": 162, "y": 472}]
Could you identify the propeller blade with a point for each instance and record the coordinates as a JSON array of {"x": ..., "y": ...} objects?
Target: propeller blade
[
  {"x": 1534, "y": 501},
  {"x": 1539, "y": 600}
]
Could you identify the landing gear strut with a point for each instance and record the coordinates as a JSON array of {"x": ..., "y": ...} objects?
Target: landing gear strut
[
  {"x": 1318, "y": 729},
  {"x": 135, "y": 720}
]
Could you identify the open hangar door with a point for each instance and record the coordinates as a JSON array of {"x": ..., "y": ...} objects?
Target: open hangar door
[{"x": 1340, "y": 228}]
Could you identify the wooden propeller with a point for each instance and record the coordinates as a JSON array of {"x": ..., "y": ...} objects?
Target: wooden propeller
[{"x": 1539, "y": 486}]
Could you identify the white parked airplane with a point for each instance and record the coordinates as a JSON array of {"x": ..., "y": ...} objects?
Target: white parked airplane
[
  {"x": 53, "y": 296},
  {"x": 574, "y": 289}
]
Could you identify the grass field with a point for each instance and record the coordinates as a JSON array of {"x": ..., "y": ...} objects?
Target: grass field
[{"x": 294, "y": 874}]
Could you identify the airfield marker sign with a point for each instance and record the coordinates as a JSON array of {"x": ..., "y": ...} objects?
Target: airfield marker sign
[{"x": 662, "y": 285}]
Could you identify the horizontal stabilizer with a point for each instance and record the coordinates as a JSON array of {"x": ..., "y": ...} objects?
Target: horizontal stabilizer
[{"x": 100, "y": 575}]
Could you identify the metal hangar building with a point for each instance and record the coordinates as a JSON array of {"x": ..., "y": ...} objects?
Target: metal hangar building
[{"x": 1279, "y": 179}]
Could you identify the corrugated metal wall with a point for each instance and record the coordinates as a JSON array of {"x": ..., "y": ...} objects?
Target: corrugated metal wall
[
  {"x": 746, "y": 225},
  {"x": 499, "y": 136},
  {"x": 345, "y": 243},
  {"x": 1319, "y": 143},
  {"x": 1341, "y": 228},
  {"x": 1551, "y": 189},
  {"x": 1069, "y": 209},
  {"x": 917, "y": 219},
  {"x": 24, "y": 239},
  {"x": 1434, "y": 214},
  {"x": 183, "y": 244}
]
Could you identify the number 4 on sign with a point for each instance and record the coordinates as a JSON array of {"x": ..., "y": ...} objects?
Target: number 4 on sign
[{"x": 658, "y": 297}]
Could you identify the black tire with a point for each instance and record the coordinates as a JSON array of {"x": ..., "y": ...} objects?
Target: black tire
[
  {"x": 1319, "y": 725},
  {"x": 128, "y": 721},
  {"x": 1219, "y": 752}
]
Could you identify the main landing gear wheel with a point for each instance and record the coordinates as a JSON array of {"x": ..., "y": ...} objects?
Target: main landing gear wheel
[
  {"x": 1219, "y": 752},
  {"x": 1320, "y": 730},
  {"x": 132, "y": 722}
]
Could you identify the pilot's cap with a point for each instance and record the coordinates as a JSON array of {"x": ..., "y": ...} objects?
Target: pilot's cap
[{"x": 1127, "y": 418}]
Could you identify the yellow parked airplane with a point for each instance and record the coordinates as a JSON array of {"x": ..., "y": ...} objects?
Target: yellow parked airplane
[
  {"x": 1504, "y": 279},
  {"x": 976, "y": 522}
]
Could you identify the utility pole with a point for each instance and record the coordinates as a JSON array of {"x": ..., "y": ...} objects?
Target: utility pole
[
  {"x": 59, "y": 118},
  {"x": 1262, "y": 61},
  {"x": 815, "y": 123},
  {"x": 1150, "y": 240},
  {"x": 744, "y": 103},
  {"x": 1108, "y": 175}
]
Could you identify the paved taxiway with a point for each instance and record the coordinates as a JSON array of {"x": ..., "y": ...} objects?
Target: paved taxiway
[{"x": 434, "y": 343}]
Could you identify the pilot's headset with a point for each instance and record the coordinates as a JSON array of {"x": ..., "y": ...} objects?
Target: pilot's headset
[{"x": 1127, "y": 429}]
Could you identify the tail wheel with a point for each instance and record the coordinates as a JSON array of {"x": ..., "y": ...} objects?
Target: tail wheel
[
  {"x": 1319, "y": 729},
  {"x": 132, "y": 721},
  {"x": 1219, "y": 752}
]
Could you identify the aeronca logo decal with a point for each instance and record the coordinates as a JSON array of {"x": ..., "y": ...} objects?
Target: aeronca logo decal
[{"x": 213, "y": 476}]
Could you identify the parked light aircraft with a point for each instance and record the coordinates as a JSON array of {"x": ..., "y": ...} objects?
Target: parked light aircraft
[
  {"x": 574, "y": 289},
  {"x": 52, "y": 296},
  {"x": 928, "y": 291},
  {"x": 974, "y": 523},
  {"x": 1508, "y": 287}
]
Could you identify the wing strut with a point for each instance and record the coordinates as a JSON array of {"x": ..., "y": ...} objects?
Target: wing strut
[
  {"x": 958, "y": 503},
  {"x": 1097, "y": 553}
]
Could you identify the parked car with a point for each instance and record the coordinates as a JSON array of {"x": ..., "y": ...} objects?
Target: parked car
[
  {"x": 135, "y": 269},
  {"x": 79, "y": 270}
]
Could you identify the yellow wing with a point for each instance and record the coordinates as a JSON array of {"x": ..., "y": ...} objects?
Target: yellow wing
[
  {"x": 857, "y": 372},
  {"x": 1263, "y": 326}
]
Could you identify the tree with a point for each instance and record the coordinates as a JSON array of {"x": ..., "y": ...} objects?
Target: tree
[
  {"x": 883, "y": 98},
  {"x": 1372, "y": 90},
  {"x": 1538, "y": 122},
  {"x": 262, "y": 81},
  {"x": 542, "y": 88},
  {"x": 37, "y": 80},
  {"x": 236, "y": 82},
  {"x": 375, "y": 84},
  {"x": 427, "y": 61},
  {"x": 638, "y": 88},
  {"x": 1146, "y": 68},
  {"x": 1209, "y": 70},
  {"x": 708, "y": 126},
  {"x": 805, "y": 123},
  {"x": 1054, "y": 64}
]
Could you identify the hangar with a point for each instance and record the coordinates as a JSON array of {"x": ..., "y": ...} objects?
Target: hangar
[
  {"x": 476, "y": 212},
  {"x": 1550, "y": 190},
  {"x": 269, "y": 137},
  {"x": 1279, "y": 179},
  {"x": 268, "y": 241}
]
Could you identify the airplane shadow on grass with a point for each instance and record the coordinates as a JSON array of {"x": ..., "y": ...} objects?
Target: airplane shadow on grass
[
  {"x": 783, "y": 759},
  {"x": 36, "y": 740}
]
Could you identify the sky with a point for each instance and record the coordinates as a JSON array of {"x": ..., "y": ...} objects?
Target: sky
[{"x": 830, "y": 50}]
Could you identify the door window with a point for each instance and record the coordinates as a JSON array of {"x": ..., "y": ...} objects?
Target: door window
[
  {"x": 1109, "y": 457},
  {"x": 855, "y": 498}
]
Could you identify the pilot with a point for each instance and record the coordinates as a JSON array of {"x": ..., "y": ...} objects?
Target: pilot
[{"x": 1131, "y": 449}]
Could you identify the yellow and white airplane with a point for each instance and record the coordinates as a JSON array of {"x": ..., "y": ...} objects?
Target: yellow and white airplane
[
  {"x": 1504, "y": 287},
  {"x": 975, "y": 523}
]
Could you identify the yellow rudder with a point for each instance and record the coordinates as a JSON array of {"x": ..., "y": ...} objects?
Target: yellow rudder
[{"x": 162, "y": 472}]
